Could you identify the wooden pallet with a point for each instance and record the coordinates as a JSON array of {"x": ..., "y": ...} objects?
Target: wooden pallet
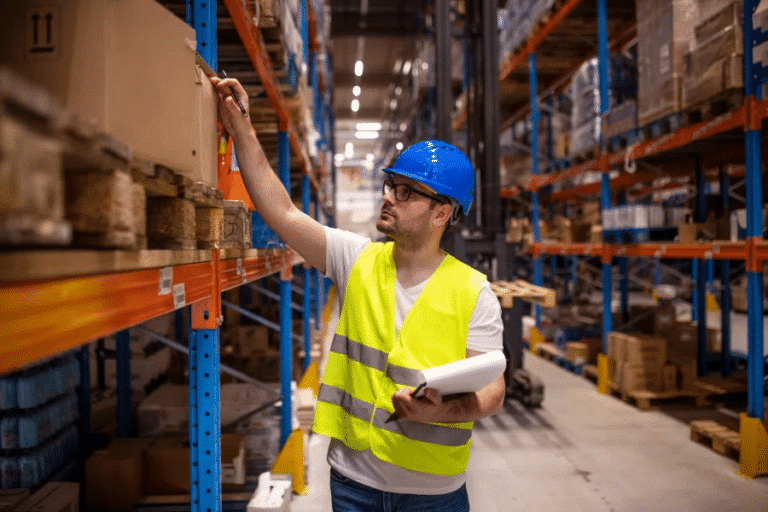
[
  {"x": 549, "y": 352},
  {"x": 644, "y": 400},
  {"x": 507, "y": 291},
  {"x": 718, "y": 437},
  {"x": 589, "y": 371},
  {"x": 723, "y": 102}
]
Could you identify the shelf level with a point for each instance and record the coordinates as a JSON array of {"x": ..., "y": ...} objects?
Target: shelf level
[{"x": 714, "y": 250}]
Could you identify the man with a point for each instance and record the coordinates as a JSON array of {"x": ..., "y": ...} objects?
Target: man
[{"x": 406, "y": 306}]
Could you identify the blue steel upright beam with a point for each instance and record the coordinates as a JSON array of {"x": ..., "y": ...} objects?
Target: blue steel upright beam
[
  {"x": 725, "y": 288},
  {"x": 286, "y": 327},
  {"x": 84, "y": 407},
  {"x": 535, "y": 171},
  {"x": 754, "y": 193},
  {"x": 204, "y": 357},
  {"x": 123, "y": 364},
  {"x": 605, "y": 189}
]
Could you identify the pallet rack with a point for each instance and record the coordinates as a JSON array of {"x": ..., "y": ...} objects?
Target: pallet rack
[
  {"x": 58, "y": 300},
  {"x": 689, "y": 143}
]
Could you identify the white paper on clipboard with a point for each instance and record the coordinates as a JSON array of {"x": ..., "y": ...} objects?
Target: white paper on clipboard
[{"x": 466, "y": 375}]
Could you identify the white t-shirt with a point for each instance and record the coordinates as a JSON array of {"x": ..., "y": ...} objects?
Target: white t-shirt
[{"x": 485, "y": 334}]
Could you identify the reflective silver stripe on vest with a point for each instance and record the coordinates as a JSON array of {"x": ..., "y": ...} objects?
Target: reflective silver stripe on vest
[
  {"x": 417, "y": 431},
  {"x": 411, "y": 429},
  {"x": 358, "y": 408},
  {"x": 403, "y": 375},
  {"x": 358, "y": 352}
]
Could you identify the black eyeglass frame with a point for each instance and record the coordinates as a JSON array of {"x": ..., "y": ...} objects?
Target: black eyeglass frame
[{"x": 408, "y": 190}]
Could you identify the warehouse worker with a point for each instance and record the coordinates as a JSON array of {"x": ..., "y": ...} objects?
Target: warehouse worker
[{"x": 406, "y": 306}]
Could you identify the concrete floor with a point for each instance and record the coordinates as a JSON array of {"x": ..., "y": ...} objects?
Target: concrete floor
[{"x": 581, "y": 452}]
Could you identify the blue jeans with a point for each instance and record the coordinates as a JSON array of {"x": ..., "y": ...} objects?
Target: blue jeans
[{"x": 350, "y": 496}]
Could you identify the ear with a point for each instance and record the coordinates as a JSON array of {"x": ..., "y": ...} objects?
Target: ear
[{"x": 441, "y": 215}]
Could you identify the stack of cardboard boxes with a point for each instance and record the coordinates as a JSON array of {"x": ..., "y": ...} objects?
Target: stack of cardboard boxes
[{"x": 663, "y": 359}]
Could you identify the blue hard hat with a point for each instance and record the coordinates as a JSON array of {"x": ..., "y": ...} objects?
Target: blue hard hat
[{"x": 440, "y": 166}]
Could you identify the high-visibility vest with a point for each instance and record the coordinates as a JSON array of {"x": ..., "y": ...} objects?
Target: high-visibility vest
[{"x": 368, "y": 362}]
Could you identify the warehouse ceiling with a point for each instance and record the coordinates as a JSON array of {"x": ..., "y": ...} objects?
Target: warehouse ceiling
[{"x": 382, "y": 34}]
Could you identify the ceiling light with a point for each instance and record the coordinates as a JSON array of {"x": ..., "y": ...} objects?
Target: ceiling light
[
  {"x": 356, "y": 90},
  {"x": 406, "y": 67},
  {"x": 366, "y": 135},
  {"x": 403, "y": 126},
  {"x": 398, "y": 63},
  {"x": 349, "y": 150},
  {"x": 424, "y": 65},
  {"x": 355, "y": 106},
  {"x": 368, "y": 126},
  {"x": 399, "y": 146},
  {"x": 359, "y": 68},
  {"x": 398, "y": 90},
  {"x": 369, "y": 157},
  {"x": 393, "y": 104}
]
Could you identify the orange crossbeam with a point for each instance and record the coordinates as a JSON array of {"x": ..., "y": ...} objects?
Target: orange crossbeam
[
  {"x": 717, "y": 251},
  {"x": 43, "y": 318}
]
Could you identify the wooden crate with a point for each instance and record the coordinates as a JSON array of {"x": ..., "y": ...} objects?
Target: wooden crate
[{"x": 171, "y": 223}]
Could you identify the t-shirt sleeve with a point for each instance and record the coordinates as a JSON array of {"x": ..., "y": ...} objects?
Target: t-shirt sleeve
[
  {"x": 485, "y": 326},
  {"x": 341, "y": 251}
]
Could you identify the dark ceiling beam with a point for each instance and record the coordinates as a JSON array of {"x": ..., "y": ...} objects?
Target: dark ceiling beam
[{"x": 374, "y": 24}]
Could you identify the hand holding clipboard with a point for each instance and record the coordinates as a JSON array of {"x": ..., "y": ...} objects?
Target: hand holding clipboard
[{"x": 467, "y": 375}]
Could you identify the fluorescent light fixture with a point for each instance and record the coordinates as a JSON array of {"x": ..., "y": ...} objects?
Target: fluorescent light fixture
[
  {"x": 398, "y": 64},
  {"x": 338, "y": 157},
  {"x": 399, "y": 146},
  {"x": 398, "y": 90},
  {"x": 393, "y": 104},
  {"x": 369, "y": 157},
  {"x": 366, "y": 135},
  {"x": 349, "y": 150},
  {"x": 355, "y": 106},
  {"x": 356, "y": 90},
  {"x": 406, "y": 67},
  {"x": 368, "y": 126},
  {"x": 359, "y": 68}
]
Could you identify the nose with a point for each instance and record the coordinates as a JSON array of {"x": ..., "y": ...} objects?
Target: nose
[{"x": 389, "y": 196}]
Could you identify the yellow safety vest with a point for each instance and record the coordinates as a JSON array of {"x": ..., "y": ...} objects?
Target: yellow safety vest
[{"x": 367, "y": 362}]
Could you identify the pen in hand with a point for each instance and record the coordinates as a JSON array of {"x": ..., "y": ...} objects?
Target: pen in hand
[{"x": 234, "y": 94}]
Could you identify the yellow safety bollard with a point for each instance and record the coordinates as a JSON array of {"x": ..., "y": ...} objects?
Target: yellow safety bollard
[
  {"x": 712, "y": 304},
  {"x": 291, "y": 460},
  {"x": 536, "y": 338},
  {"x": 753, "y": 460},
  {"x": 603, "y": 374},
  {"x": 311, "y": 378}
]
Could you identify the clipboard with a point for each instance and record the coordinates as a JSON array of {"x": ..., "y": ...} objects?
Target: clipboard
[{"x": 464, "y": 376}]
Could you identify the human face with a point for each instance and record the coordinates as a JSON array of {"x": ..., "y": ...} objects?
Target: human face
[{"x": 405, "y": 214}]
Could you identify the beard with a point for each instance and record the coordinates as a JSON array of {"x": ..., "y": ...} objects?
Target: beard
[{"x": 386, "y": 225}]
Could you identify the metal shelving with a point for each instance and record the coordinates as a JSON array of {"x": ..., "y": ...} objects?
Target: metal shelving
[
  {"x": 58, "y": 300},
  {"x": 738, "y": 133}
]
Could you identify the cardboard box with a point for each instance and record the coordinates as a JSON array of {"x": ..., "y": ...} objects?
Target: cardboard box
[
  {"x": 682, "y": 341},
  {"x": 576, "y": 352},
  {"x": 126, "y": 67},
  {"x": 620, "y": 119},
  {"x": 122, "y": 462},
  {"x": 669, "y": 377},
  {"x": 53, "y": 497},
  {"x": 686, "y": 373},
  {"x": 9, "y": 498},
  {"x": 664, "y": 31},
  {"x": 693, "y": 232},
  {"x": 641, "y": 378},
  {"x": 167, "y": 469},
  {"x": 646, "y": 351}
]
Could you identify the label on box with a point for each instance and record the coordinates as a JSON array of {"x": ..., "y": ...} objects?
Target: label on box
[
  {"x": 43, "y": 32},
  {"x": 166, "y": 281},
  {"x": 234, "y": 166},
  {"x": 179, "y": 295}
]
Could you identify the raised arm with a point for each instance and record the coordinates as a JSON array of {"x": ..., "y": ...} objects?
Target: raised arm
[{"x": 300, "y": 231}]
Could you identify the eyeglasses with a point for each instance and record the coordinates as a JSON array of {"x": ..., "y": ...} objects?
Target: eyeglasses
[{"x": 403, "y": 192}]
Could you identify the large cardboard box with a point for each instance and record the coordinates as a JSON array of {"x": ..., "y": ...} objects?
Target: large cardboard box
[
  {"x": 53, "y": 497},
  {"x": 641, "y": 378},
  {"x": 126, "y": 67},
  {"x": 167, "y": 469},
  {"x": 664, "y": 30},
  {"x": 646, "y": 351},
  {"x": 664, "y": 318},
  {"x": 122, "y": 461}
]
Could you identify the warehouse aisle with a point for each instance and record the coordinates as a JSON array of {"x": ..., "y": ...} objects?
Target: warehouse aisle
[{"x": 581, "y": 452}]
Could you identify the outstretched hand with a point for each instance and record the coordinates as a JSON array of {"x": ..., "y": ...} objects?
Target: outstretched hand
[
  {"x": 233, "y": 119},
  {"x": 423, "y": 409}
]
